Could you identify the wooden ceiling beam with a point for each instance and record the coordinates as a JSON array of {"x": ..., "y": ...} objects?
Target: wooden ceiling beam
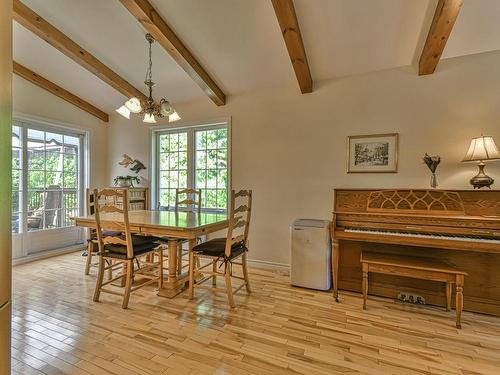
[
  {"x": 287, "y": 19},
  {"x": 51, "y": 87},
  {"x": 37, "y": 25},
  {"x": 151, "y": 20},
  {"x": 444, "y": 18}
]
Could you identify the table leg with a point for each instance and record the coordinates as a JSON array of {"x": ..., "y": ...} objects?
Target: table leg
[
  {"x": 448, "y": 295},
  {"x": 459, "y": 301},
  {"x": 173, "y": 285},
  {"x": 172, "y": 261},
  {"x": 335, "y": 269}
]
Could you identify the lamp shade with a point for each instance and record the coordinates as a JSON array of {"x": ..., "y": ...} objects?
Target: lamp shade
[
  {"x": 482, "y": 148},
  {"x": 133, "y": 105},
  {"x": 149, "y": 118},
  {"x": 174, "y": 117},
  {"x": 124, "y": 111}
]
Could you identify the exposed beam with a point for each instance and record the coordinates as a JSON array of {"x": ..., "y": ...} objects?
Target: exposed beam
[
  {"x": 36, "y": 24},
  {"x": 287, "y": 19},
  {"x": 51, "y": 87},
  {"x": 151, "y": 20},
  {"x": 444, "y": 18}
]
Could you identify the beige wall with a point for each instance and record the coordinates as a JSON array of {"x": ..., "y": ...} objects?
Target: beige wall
[
  {"x": 5, "y": 181},
  {"x": 291, "y": 148},
  {"x": 34, "y": 101}
]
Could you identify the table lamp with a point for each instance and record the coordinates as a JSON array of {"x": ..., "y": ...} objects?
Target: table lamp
[{"x": 481, "y": 149}]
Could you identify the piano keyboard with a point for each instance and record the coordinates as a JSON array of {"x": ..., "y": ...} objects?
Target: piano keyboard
[{"x": 465, "y": 238}]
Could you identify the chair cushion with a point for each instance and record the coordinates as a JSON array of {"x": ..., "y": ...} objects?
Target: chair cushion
[
  {"x": 216, "y": 248},
  {"x": 141, "y": 245}
]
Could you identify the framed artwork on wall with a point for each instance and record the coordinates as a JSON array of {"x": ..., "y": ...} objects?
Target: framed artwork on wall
[{"x": 377, "y": 153}]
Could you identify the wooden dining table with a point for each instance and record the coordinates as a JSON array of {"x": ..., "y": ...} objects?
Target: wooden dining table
[{"x": 172, "y": 225}]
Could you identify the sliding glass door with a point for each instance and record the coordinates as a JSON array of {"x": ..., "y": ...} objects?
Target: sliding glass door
[{"x": 47, "y": 184}]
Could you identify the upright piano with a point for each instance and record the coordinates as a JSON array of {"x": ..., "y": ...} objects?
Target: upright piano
[{"x": 462, "y": 226}]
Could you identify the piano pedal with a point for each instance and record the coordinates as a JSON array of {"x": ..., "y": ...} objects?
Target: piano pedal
[{"x": 414, "y": 299}]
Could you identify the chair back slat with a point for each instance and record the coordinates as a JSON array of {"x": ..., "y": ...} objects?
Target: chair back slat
[
  {"x": 243, "y": 208},
  {"x": 106, "y": 201},
  {"x": 189, "y": 199},
  {"x": 238, "y": 221}
]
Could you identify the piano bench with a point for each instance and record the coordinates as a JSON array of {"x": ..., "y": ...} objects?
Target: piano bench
[{"x": 418, "y": 268}]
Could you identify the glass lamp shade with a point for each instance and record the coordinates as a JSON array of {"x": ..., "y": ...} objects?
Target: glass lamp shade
[
  {"x": 133, "y": 105},
  {"x": 174, "y": 117},
  {"x": 482, "y": 148},
  {"x": 166, "y": 109},
  {"x": 124, "y": 111},
  {"x": 149, "y": 118}
]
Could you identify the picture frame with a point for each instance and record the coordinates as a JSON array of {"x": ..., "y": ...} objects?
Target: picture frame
[{"x": 375, "y": 153}]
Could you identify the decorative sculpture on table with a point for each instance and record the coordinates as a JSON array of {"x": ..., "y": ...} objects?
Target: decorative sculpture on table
[
  {"x": 135, "y": 166},
  {"x": 127, "y": 161},
  {"x": 432, "y": 163}
]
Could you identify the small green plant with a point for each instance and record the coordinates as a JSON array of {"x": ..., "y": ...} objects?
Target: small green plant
[{"x": 126, "y": 180}]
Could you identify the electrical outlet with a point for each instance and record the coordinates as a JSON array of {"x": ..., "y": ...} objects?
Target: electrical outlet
[{"x": 411, "y": 298}]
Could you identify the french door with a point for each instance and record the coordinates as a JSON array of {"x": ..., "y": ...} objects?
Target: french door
[{"x": 47, "y": 187}]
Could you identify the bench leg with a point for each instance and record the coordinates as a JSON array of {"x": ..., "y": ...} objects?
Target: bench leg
[
  {"x": 448, "y": 295},
  {"x": 365, "y": 284},
  {"x": 459, "y": 302}
]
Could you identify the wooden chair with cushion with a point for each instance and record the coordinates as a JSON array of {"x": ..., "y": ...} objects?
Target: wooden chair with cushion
[
  {"x": 92, "y": 245},
  {"x": 225, "y": 251},
  {"x": 186, "y": 200},
  {"x": 124, "y": 249}
]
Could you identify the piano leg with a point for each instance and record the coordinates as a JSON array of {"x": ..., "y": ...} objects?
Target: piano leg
[
  {"x": 335, "y": 269},
  {"x": 365, "y": 284},
  {"x": 459, "y": 302}
]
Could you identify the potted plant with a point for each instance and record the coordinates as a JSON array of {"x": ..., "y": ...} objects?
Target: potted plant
[{"x": 126, "y": 181}]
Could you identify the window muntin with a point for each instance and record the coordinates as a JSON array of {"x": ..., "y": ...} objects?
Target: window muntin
[
  {"x": 197, "y": 158},
  {"x": 17, "y": 183}
]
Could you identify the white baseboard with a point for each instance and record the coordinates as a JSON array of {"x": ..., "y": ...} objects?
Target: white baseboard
[
  {"x": 269, "y": 265},
  {"x": 47, "y": 254}
]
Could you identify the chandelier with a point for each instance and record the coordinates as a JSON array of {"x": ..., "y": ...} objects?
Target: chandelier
[{"x": 149, "y": 108}]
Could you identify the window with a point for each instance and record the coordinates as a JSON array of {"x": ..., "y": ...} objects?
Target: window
[
  {"x": 46, "y": 178},
  {"x": 195, "y": 157}
]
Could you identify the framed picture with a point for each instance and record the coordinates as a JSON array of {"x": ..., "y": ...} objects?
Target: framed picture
[{"x": 376, "y": 153}]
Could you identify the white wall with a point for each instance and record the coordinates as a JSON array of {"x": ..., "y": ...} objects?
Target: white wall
[
  {"x": 31, "y": 100},
  {"x": 291, "y": 148}
]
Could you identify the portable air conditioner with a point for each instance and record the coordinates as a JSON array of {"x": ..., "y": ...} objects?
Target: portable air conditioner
[{"x": 311, "y": 254}]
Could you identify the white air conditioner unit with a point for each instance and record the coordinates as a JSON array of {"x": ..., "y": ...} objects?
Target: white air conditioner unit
[{"x": 311, "y": 254}]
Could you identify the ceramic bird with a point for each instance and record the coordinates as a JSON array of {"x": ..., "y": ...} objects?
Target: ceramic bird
[
  {"x": 127, "y": 160},
  {"x": 138, "y": 166}
]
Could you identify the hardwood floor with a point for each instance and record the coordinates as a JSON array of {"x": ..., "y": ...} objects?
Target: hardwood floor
[{"x": 57, "y": 329}]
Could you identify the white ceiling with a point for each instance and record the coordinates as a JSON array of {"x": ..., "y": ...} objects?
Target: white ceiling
[{"x": 239, "y": 41}]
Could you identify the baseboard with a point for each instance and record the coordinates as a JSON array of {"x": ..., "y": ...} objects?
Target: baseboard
[
  {"x": 269, "y": 265},
  {"x": 47, "y": 254}
]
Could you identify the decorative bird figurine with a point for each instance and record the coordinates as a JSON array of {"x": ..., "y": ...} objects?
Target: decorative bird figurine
[
  {"x": 138, "y": 166},
  {"x": 127, "y": 160}
]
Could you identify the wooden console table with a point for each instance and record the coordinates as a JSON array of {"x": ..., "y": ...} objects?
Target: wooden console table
[{"x": 419, "y": 268}]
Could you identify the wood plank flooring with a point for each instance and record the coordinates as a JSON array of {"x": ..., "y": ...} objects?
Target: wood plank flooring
[{"x": 57, "y": 329}]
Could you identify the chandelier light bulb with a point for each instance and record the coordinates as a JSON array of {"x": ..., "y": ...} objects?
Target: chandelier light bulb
[
  {"x": 124, "y": 111},
  {"x": 149, "y": 118},
  {"x": 134, "y": 105}
]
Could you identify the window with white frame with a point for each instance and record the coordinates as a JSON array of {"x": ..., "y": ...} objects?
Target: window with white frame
[
  {"x": 47, "y": 177},
  {"x": 194, "y": 157}
]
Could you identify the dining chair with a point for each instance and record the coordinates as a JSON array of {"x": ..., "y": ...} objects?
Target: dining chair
[
  {"x": 224, "y": 251},
  {"x": 186, "y": 200},
  {"x": 124, "y": 249},
  {"x": 92, "y": 245}
]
